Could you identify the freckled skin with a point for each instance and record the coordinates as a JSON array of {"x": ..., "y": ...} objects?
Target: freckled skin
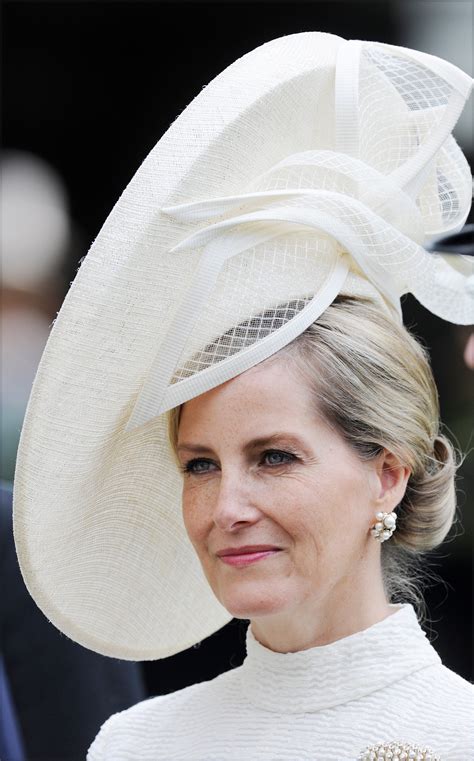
[{"x": 326, "y": 581}]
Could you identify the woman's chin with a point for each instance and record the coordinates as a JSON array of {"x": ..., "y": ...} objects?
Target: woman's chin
[{"x": 252, "y": 605}]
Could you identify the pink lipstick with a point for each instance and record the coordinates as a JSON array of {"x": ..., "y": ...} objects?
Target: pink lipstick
[{"x": 247, "y": 558}]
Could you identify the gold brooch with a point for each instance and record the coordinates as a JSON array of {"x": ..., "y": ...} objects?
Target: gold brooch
[{"x": 397, "y": 751}]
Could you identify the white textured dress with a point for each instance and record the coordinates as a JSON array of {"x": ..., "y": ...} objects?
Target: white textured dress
[{"x": 328, "y": 703}]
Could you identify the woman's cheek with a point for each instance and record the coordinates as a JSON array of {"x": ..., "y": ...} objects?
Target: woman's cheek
[
  {"x": 197, "y": 514},
  {"x": 190, "y": 517}
]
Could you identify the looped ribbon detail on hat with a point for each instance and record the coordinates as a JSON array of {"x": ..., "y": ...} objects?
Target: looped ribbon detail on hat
[
  {"x": 410, "y": 175},
  {"x": 220, "y": 243},
  {"x": 278, "y": 212},
  {"x": 373, "y": 218}
]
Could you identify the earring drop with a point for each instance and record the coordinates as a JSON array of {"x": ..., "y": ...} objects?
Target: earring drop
[{"x": 385, "y": 526}]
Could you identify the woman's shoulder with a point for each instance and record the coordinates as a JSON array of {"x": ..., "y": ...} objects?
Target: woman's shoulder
[
  {"x": 443, "y": 692},
  {"x": 453, "y": 685},
  {"x": 158, "y": 716},
  {"x": 446, "y": 708},
  {"x": 456, "y": 700}
]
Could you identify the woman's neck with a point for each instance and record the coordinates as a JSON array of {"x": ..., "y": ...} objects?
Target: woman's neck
[{"x": 342, "y": 612}]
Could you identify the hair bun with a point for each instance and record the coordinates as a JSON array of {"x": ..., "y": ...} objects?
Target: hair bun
[{"x": 428, "y": 508}]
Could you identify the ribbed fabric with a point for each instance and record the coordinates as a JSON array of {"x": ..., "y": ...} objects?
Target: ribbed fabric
[{"x": 327, "y": 703}]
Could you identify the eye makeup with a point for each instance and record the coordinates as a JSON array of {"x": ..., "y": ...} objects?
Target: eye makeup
[{"x": 188, "y": 467}]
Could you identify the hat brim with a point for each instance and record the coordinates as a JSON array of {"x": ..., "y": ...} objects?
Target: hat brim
[{"x": 97, "y": 520}]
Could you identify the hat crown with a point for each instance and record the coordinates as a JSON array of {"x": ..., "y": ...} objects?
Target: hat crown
[{"x": 388, "y": 177}]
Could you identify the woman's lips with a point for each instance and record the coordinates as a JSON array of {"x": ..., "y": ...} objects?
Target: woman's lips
[{"x": 247, "y": 558}]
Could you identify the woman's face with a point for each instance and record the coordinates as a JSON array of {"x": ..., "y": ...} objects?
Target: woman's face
[{"x": 263, "y": 469}]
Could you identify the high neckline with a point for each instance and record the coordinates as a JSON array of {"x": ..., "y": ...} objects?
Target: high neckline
[{"x": 343, "y": 670}]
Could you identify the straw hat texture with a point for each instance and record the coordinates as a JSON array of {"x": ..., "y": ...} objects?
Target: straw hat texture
[{"x": 311, "y": 166}]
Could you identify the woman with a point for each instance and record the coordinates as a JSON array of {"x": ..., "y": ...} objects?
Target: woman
[{"x": 255, "y": 371}]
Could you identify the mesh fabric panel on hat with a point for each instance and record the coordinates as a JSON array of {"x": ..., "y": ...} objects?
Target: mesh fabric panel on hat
[{"x": 310, "y": 167}]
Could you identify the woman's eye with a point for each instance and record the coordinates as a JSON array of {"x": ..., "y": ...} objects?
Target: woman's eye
[
  {"x": 272, "y": 458},
  {"x": 195, "y": 466},
  {"x": 276, "y": 457}
]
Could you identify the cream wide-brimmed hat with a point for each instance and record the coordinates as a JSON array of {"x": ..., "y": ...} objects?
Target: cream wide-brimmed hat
[{"x": 311, "y": 166}]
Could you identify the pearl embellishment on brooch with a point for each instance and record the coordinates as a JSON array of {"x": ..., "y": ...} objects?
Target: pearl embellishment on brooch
[{"x": 396, "y": 751}]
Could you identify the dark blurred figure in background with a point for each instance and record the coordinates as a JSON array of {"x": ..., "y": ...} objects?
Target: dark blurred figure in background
[
  {"x": 54, "y": 693},
  {"x": 60, "y": 692}
]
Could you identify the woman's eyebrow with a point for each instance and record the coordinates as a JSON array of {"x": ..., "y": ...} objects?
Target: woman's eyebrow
[
  {"x": 275, "y": 438},
  {"x": 261, "y": 441},
  {"x": 192, "y": 447}
]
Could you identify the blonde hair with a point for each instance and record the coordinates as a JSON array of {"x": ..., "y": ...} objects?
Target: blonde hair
[{"x": 372, "y": 381}]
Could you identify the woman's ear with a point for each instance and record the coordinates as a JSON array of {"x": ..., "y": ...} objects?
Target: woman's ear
[{"x": 392, "y": 479}]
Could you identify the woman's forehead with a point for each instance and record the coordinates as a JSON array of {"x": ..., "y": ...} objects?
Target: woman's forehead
[
  {"x": 265, "y": 407},
  {"x": 268, "y": 389}
]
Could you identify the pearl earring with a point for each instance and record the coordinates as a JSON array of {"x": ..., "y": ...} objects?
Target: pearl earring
[{"x": 385, "y": 526}]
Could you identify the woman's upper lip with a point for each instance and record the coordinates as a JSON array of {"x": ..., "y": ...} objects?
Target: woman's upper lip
[{"x": 246, "y": 549}]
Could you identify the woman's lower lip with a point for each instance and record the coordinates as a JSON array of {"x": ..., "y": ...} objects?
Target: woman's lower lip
[{"x": 249, "y": 557}]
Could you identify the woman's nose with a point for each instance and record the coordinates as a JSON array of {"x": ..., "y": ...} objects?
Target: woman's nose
[{"x": 234, "y": 502}]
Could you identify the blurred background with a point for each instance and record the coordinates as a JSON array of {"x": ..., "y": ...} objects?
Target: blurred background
[{"x": 88, "y": 89}]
